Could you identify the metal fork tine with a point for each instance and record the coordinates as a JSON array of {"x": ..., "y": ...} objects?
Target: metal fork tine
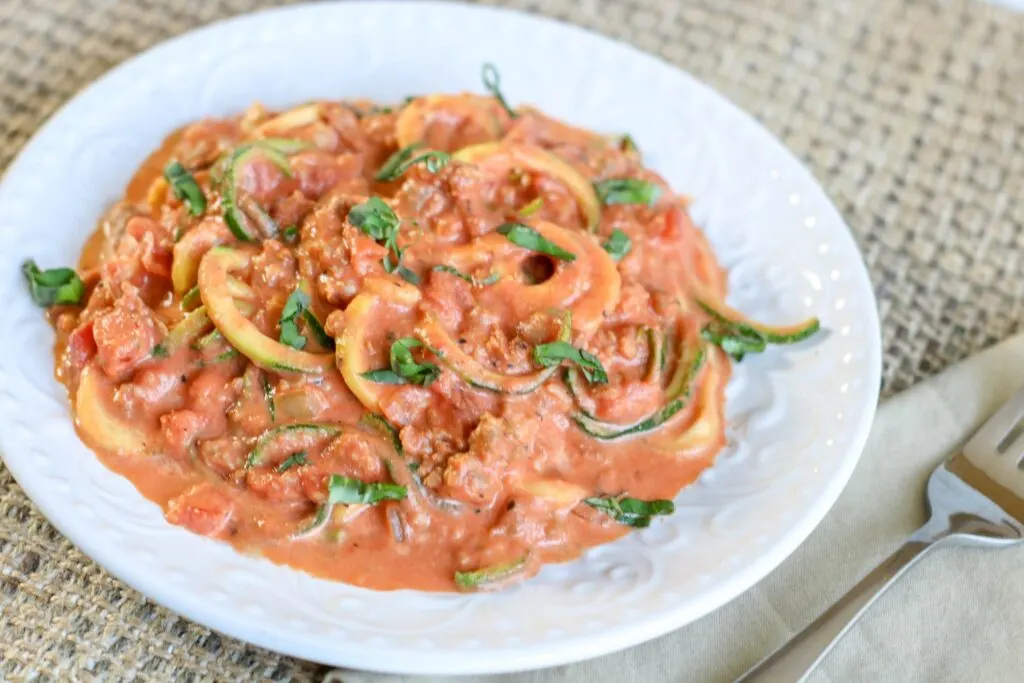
[{"x": 992, "y": 432}]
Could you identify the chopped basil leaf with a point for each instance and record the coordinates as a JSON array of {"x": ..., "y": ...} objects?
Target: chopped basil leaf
[
  {"x": 631, "y": 511},
  {"x": 349, "y": 491},
  {"x": 388, "y": 170},
  {"x": 322, "y": 338},
  {"x": 297, "y": 308},
  {"x": 160, "y": 351},
  {"x": 492, "y": 82},
  {"x": 405, "y": 365},
  {"x": 53, "y": 287},
  {"x": 375, "y": 218},
  {"x": 618, "y": 244},
  {"x": 384, "y": 376},
  {"x": 554, "y": 353},
  {"x": 404, "y": 368},
  {"x": 290, "y": 234},
  {"x": 528, "y": 238},
  {"x": 489, "y": 280},
  {"x": 293, "y": 460},
  {"x": 402, "y": 160},
  {"x": 294, "y": 307},
  {"x": 531, "y": 207},
  {"x": 185, "y": 187},
  {"x": 409, "y": 276},
  {"x": 627, "y": 191}
]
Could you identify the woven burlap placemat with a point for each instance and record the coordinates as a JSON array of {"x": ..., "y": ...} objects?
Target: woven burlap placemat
[{"x": 910, "y": 113}]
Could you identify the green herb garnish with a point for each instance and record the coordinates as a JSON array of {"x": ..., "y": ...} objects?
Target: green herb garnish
[
  {"x": 553, "y": 353},
  {"x": 378, "y": 221},
  {"x": 404, "y": 368},
  {"x": 53, "y": 287},
  {"x": 627, "y": 191},
  {"x": 350, "y": 491},
  {"x": 185, "y": 187},
  {"x": 293, "y": 460},
  {"x": 384, "y": 376},
  {"x": 631, "y": 511},
  {"x": 492, "y": 82},
  {"x": 402, "y": 160},
  {"x": 618, "y": 244},
  {"x": 294, "y": 308},
  {"x": 160, "y": 351},
  {"x": 290, "y": 234},
  {"x": 528, "y": 238},
  {"x": 409, "y": 276}
]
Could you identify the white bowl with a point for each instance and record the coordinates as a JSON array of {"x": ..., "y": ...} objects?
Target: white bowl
[{"x": 798, "y": 418}]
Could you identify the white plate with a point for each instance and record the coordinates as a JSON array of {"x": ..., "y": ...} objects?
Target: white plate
[{"x": 798, "y": 418}]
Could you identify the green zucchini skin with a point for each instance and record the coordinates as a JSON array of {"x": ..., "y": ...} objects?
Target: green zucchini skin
[
  {"x": 607, "y": 431},
  {"x": 257, "y": 456},
  {"x": 227, "y": 316},
  {"x": 474, "y": 373},
  {"x": 489, "y": 578},
  {"x": 678, "y": 393},
  {"x": 274, "y": 149},
  {"x": 772, "y": 334}
]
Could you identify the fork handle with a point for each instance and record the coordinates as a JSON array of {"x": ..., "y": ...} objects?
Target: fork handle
[{"x": 796, "y": 658}]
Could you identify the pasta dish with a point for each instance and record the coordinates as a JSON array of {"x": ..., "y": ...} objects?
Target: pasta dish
[{"x": 434, "y": 345}]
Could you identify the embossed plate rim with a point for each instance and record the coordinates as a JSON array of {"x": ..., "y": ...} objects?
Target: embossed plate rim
[{"x": 335, "y": 626}]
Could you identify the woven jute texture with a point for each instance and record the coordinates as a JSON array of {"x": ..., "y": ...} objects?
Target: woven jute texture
[{"x": 910, "y": 112}]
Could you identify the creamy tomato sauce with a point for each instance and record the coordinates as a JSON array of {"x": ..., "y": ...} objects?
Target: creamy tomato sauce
[{"x": 433, "y": 346}]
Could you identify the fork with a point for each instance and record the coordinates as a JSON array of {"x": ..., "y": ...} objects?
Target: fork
[{"x": 976, "y": 497}]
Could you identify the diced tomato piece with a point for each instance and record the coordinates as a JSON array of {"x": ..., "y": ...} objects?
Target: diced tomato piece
[
  {"x": 180, "y": 429},
  {"x": 125, "y": 335},
  {"x": 81, "y": 346},
  {"x": 675, "y": 223},
  {"x": 147, "y": 245},
  {"x": 274, "y": 486},
  {"x": 204, "y": 509}
]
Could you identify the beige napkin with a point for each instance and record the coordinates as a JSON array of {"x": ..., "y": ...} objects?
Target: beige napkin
[{"x": 956, "y": 616}]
